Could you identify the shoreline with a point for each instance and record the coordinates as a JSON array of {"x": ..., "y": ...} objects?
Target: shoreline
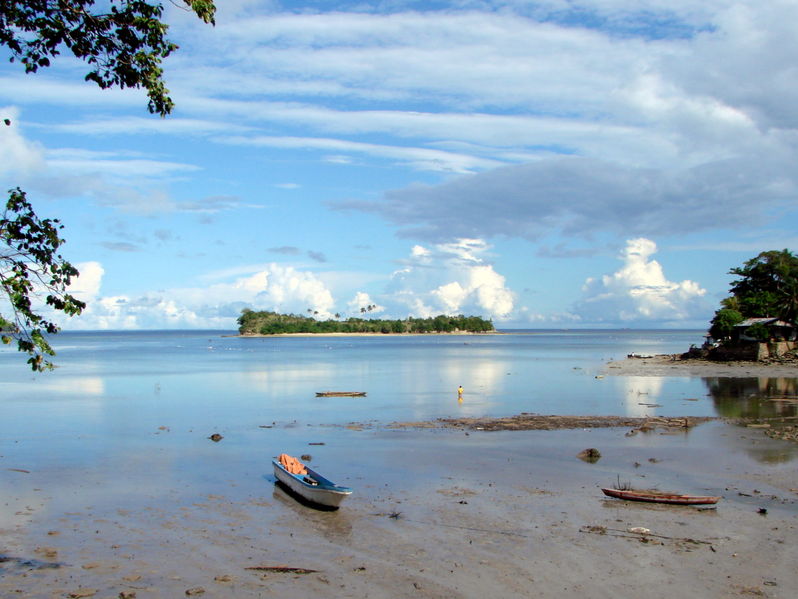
[
  {"x": 452, "y": 334},
  {"x": 672, "y": 365}
]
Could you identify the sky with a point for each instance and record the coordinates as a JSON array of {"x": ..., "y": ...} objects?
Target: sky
[{"x": 551, "y": 164}]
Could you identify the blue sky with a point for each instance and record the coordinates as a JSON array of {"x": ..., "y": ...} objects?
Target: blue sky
[{"x": 559, "y": 163}]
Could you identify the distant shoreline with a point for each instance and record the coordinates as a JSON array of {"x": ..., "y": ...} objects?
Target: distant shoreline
[
  {"x": 672, "y": 365},
  {"x": 435, "y": 334}
]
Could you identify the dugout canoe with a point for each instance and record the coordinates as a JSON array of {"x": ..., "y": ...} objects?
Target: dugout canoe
[{"x": 657, "y": 497}]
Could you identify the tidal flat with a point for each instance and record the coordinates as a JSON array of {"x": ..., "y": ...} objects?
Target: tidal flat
[{"x": 435, "y": 513}]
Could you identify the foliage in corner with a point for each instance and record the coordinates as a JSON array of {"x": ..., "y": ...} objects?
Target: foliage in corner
[
  {"x": 124, "y": 44},
  {"x": 30, "y": 266}
]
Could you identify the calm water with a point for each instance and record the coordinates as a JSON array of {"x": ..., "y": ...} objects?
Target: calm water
[
  {"x": 126, "y": 416},
  {"x": 129, "y": 380}
]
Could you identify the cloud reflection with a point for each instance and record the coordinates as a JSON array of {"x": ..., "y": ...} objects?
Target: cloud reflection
[{"x": 642, "y": 390}]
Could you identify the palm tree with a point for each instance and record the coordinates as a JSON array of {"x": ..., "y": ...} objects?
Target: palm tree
[{"x": 788, "y": 301}]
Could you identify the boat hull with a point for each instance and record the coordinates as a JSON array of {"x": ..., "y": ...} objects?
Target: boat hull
[
  {"x": 340, "y": 394},
  {"x": 324, "y": 492},
  {"x": 661, "y": 497}
]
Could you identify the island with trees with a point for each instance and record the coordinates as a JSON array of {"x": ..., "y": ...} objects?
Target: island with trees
[{"x": 271, "y": 323}]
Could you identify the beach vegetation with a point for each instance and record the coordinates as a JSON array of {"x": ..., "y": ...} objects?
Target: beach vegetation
[
  {"x": 723, "y": 323},
  {"x": 766, "y": 287},
  {"x": 271, "y": 323},
  {"x": 124, "y": 43},
  {"x": 765, "y": 290}
]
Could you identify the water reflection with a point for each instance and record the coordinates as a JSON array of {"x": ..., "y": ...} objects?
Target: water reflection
[
  {"x": 642, "y": 393},
  {"x": 762, "y": 397},
  {"x": 333, "y": 525}
]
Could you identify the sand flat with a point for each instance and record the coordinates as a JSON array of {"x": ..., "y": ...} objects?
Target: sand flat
[
  {"x": 435, "y": 513},
  {"x": 668, "y": 365}
]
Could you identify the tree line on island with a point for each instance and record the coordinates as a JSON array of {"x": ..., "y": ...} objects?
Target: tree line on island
[{"x": 271, "y": 323}]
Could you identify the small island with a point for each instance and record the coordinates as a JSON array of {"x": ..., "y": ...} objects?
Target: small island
[{"x": 271, "y": 323}]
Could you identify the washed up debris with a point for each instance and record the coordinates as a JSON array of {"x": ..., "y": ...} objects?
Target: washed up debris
[
  {"x": 18, "y": 470},
  {"x": 528, "y": 421},
  {"x": 29, "y": 564},
  {"x": 282, "y": 569},
  {"x": 643, "y": 537},
  {"x": 194, "y": 591},
  {"x": 82, "y": 593},
  {"x": 215, "y": 437},
  {"x": 590, "y": 455}
]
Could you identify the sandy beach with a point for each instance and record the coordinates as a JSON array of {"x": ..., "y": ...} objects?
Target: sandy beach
[
  {"x": 435, "y": 513},
  {"x": 667, "y": 365}
]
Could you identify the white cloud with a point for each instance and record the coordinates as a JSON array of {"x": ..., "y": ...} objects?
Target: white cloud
[
  {"x": 639, "y": 292},
  {"x": 272, "y": 287},
  {"x": 450, "y": 278},
  {"x": 86, "y": 287},
  {"x": 419, "y": 158},
  {"x": 363, "y": 300},
  {"x": 17, "y": 154}
]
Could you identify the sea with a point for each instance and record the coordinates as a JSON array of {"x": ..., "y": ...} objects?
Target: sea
[{"x": 218, "y": 380}]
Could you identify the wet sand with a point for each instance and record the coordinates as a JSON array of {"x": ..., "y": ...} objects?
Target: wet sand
[
  {"x": 667, "y": 365},
  {"x": 435, "y": 513}
]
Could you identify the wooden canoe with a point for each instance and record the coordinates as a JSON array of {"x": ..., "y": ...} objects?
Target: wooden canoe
[
  {"x": 312, "y": 487},
  {"x": 340, "y": 394},
  {"x": 656, "y": 497}
]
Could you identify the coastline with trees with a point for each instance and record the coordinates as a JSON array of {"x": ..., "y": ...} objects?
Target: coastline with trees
[{"x": 257, "y": 323}]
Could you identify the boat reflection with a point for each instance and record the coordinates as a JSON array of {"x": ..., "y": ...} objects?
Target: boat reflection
[{"x": 332, "y": 524}]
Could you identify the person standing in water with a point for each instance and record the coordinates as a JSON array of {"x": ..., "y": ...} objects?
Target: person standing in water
[{"x": 460, "y": 393}]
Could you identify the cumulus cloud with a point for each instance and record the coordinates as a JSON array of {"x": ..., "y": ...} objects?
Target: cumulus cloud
[
  {"x": 272, "y": 287},
  {"x": 360, "y": 304},
  {"x": 17, "y": 154},
  {"x": 450, "y": 278},
  {"x": 639, "y": 292}
]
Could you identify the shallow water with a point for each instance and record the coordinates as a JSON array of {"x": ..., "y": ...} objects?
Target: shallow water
[
  {"x": 112, "y": 391},
  {"x": 198, "y": 378}
]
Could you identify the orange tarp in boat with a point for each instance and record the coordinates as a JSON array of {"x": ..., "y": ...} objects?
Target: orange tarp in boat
[{"x": 293, "y": 465}]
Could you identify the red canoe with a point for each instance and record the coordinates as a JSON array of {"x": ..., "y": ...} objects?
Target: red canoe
[{"x": 655, "y": 497}]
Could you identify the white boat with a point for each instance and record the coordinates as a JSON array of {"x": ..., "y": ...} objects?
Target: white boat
[{"x": 312, "y": 486}]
